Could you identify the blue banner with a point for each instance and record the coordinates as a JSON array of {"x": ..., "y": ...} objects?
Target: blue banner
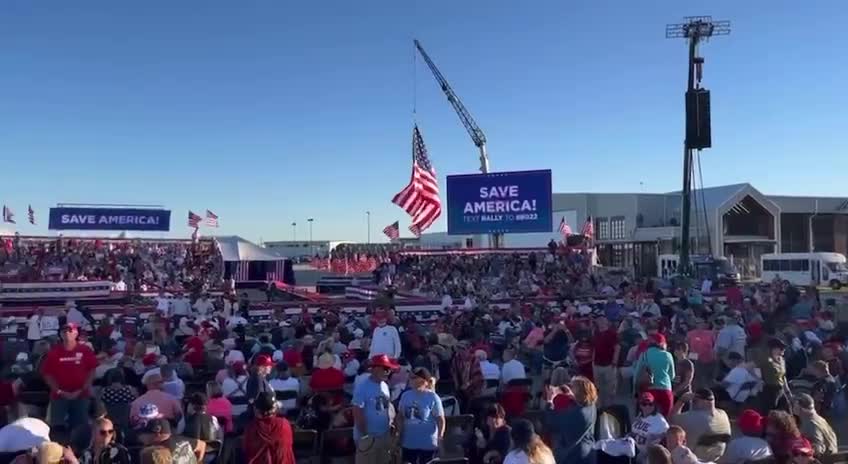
[
  {"x": 499, "y": 202},
  {"x": 73, "y": 218}
]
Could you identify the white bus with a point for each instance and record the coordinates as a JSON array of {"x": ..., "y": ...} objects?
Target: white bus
[{"x": 806, "y": 268}]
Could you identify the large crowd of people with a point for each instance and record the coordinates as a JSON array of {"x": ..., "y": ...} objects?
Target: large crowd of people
[
  {"x": 560, "y": 272},
  {"x": 133, "y": 265},
  {"x": 640, "y": 373}
]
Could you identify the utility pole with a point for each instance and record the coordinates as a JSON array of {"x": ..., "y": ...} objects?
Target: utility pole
[
  {"x": 698, "y": 134},
  {"x": 368, "y": 222},
  {"x": 294, "y": 231}
]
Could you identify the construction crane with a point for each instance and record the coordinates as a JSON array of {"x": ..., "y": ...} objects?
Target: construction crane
[{"x": 471, "y": 126}]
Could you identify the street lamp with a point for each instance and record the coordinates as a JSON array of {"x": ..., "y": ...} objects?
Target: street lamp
[
  {"x": 368, "y": 216},
  {"x": 311, "y": 247},
  {"x": 294, "y": 231}
]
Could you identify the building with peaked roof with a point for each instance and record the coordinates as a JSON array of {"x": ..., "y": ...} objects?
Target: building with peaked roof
[{"x": 736, "y": 221}]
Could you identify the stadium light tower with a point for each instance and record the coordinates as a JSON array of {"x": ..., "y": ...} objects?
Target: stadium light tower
[
  {"x": 294, "y": 231},
  {"x": 698, "y": 133}
]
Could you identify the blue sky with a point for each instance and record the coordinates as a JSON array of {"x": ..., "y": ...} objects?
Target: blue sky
[{"x": 271, "y": 112}]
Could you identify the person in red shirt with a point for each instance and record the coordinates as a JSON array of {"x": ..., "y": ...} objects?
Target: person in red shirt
[
  {"x": 607, "y": 351},
  {"x": 68, "y": 369},
  {"x": 583, "y": 354},
  {"x": 294, "y": 359},
  {"x": 193, "y": 351},
  {"x": 268, "y": 438},
  {"x": 327, "y": 377}
]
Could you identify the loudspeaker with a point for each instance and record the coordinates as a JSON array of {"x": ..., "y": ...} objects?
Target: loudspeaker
[{"x": 698, "y": 129}]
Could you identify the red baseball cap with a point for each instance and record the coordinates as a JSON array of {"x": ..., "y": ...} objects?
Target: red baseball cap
[
  {"x": 658, "y": 339},
  {"x": 149, "y": 359},
  {"x": 382, "y": 360},
  {"x": 263, "y": 360},
  {"x": 750, "y": 422}
]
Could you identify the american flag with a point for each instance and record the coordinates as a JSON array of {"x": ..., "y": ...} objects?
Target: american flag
[
  {"x": 31, "y": 213},
  {"x": 194, "y": 220},
  {"x": 211, "y": 219},
  {"x": 392, "y": 230},
  {"x": 588, "y": 228},
  {"x": 8, "y": 215},
  {"x": 420, "y": 198},
  {"x": 564, "y": 228}
]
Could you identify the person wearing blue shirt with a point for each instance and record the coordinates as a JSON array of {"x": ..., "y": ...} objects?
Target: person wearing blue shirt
[
  {"x": 421, "y": 419},
  {"x": 373, "y": 414}
]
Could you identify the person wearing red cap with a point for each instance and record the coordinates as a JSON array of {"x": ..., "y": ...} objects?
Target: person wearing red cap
[
  {"x": 258, "y": 382},
  {"x": 750, "y": 447},
  {"x": 69, "y": 369},
  {"x": 650, "y": 425},
  {"x": 655, "y": 370},
  {"x": 373, "y": 414}
]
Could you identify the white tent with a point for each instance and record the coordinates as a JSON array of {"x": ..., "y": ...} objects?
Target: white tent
[
  {"x": 245, "y": 260},
  {"x": 235, "y": 248}
]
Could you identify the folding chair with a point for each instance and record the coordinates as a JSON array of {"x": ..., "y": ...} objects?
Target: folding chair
[
  {"x": 338, "y": 444},
  {"x": 306, "y": 446}
]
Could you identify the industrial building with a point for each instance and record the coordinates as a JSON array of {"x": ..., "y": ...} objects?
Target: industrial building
[{"x": 736, "y": 221}]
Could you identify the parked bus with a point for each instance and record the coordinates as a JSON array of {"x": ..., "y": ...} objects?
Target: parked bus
[
  {"x": 718, "y": 269},
  {"x": 806, "y": 268}
]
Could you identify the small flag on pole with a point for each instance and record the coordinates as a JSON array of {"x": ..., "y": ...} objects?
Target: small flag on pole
[
  {"x": 392, "y": 230},
  {"x": 564, "y": 228},
  {"x": 211, "y": 219},
  {"x": 588, "y": 228},
  {"x": 31, "y": 213},
  {"x": 194, "y": 220},
  {"x": 8, "y": 215}
]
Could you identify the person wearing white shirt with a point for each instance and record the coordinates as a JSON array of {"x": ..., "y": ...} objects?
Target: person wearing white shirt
[
  {"x": 181, "y": 305},
  {"x": 385, "y": 340},
  {"x": 468, "y": 305},
  {"x": 235, "y": 320},
  {"x": 447, "y": 301},
  {"x": 75, "y": 316},
  {"x": 706, "y": 286},
  {"x": 731, "y": 339},
  {"x": 285, "y": 382},
  {"x": 203, "y": 306},
  {"x": 120, "y": 285},
  {"x": 163, "y": 304},
  {"x": 236, "y": 388},
  {"x": 512, "y": 368},
  {"x": 49, "y": 325},
  {"x": 34, "y": 326},
  {"x": 490, "y": 370}
]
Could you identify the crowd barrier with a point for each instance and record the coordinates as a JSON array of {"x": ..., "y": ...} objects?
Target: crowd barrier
[
  {"x": 52, "y": 290},
  {"x": 423, "y": 310}
]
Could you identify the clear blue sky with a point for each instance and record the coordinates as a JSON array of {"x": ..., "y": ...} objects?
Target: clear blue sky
[{"x": 269, "y": 112}]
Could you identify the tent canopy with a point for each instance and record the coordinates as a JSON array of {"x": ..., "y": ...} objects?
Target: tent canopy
[{"x": 235, "y": 248}]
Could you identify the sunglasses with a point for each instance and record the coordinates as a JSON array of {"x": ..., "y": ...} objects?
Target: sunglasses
[{"x": 107, "y": 433}]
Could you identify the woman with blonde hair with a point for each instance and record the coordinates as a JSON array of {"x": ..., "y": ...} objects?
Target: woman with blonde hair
[
  {"x": 527, "y": 446},
  {"x": 104, "y": 448},
  {"x": 572, "y": 429}
]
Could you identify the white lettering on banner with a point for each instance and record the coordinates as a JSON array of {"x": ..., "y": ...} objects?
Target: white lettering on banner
[
  {"x": 500, "y": 206},
  {"x": 91, "y": 219},
  {"x": 78, "y": 219},
  {"x": 123, "y": 220},
  {"x": 505, "y": 191}
]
